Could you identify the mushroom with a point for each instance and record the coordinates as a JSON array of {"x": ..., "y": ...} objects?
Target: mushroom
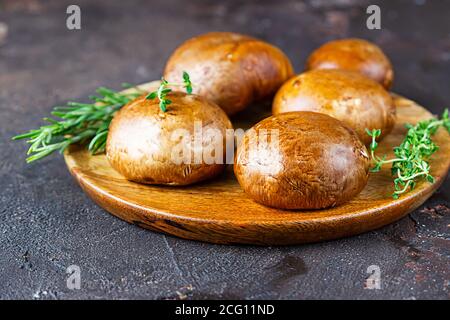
[
  {"x": 355, "y": 55},
  {"x": 301, "y": 160},
  {"x": 230, "y": 69},
  {"x": 348, "y": 96},
  {"x": 181, "y": 146}
]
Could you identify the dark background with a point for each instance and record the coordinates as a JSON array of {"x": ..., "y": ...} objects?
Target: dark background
[{"x": 47, "y": 223}]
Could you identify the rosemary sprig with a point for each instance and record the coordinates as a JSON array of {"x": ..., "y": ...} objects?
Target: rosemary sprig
[
  {"x": 164, "y": 89},
  {"x": 412, "y": 155},
  {"x": 88, "y": 122},
  {"x": 77, "y": 123}
]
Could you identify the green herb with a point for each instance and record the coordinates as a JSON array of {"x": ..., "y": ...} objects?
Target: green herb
[
  {"x": 412, "y": 155},
  {"x": 87, "y": 123},
  {"x": 77, "y": 123},
  {"x": 163, "y": 90}
]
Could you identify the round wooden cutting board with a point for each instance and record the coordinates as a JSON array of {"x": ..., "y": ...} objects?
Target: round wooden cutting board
[{"x": 219, "y": 211}]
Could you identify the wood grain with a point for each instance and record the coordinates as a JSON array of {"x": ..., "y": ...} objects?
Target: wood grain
[{"x": 219, "y": 211}]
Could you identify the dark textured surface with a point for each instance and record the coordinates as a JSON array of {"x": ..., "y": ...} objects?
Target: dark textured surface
[{"x": 47, "y": 223}]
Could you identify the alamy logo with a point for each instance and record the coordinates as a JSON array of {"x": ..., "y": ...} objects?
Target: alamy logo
[
  {"x": 74, "y": 280},
  {"x": 373, "y": 281},
  {"x": 73, "y": 21},
  {"x": 374, "y": 20}
]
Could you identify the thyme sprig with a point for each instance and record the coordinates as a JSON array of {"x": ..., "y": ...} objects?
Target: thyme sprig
[
  {"x": 164, "y": 89},
  {"x": 412, "y": 156}
]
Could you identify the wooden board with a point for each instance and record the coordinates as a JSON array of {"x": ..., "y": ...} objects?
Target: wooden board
[{"x": 218, "y": 211}]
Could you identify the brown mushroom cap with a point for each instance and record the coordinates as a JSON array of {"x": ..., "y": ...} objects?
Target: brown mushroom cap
[
  {"x": 355, "y": 55},
  {"x": 319, "y": 162},
  {"x": 348, "y": 96},
  {"x": 143, "y": 141},
  {"x": 230, "y": 69}
]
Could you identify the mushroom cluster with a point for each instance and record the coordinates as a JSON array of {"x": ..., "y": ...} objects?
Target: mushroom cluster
[{"x": 317, "y": 156}]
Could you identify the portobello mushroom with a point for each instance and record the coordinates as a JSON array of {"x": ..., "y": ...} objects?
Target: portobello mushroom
[
  {"x": 230, "y": 69},
  {"x": 355, "y": 55},
  {"x": 301, "y": 160},
  {"x": 150, "y": 146},
  {"x": 348, "y": 96}
]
